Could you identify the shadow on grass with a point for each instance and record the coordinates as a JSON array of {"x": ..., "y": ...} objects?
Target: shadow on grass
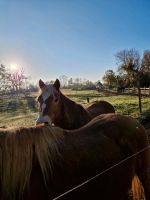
[
  {"x": 31, "y": 103},
  {"x": 145, "y": 117},
  {"x": 10, "y": 104}
]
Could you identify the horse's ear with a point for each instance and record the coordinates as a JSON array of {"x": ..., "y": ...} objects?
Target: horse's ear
[
  {"x": 57, "y": 84},
  {"x": 41, "y": 84}
]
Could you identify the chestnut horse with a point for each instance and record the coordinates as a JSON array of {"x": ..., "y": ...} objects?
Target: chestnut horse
[
  {"x": 43, "y": 162},
  {"x": 63, "y": 112}
]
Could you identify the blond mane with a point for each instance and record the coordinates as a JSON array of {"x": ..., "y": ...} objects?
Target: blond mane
[{"x": 18, "y": 146}]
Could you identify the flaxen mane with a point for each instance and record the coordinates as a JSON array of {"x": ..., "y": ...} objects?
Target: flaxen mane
[{"x": 18, "y": 148}]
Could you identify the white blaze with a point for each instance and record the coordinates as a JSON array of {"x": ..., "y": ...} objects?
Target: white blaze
[{"x": 46, "y": 93}]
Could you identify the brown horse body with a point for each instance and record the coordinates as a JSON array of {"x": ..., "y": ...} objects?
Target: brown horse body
[
  {"x": 44, "y": 162},
  {"x": 99, "y": 107},
  {"x": 65, "y": 113}
]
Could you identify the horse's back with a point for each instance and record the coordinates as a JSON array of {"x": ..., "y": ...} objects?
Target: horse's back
[
  {"x": 100, "y": 107},
  {"x": 80, "y": 155},
  {"x": 91, "y": 152},
  {"x": 132, "y": 139},
  {"x": 121, "y": 128}
]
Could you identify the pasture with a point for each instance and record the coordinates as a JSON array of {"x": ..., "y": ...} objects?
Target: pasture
[{"x": 24, "y": 110}]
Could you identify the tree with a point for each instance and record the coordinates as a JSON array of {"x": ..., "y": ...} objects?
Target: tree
[
  {"x": 4, "y": 82},
  {"x": 145, "y": 79},
  {"x": 110, "y": 78},
  {"x": 130, "y": 64},
  {"x": 63, "y": 80},
  {"x": 146, "y": 60},
  {"x": 77, "y": 80},
  {"x": 70, "y": 81},
  {"x": 2, "y": 76},
  {"x": 121, "y": 82},
  {"x": 17, "y": 80}
]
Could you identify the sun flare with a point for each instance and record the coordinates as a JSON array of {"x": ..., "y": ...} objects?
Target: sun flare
[{"x": 13, "y": 67}]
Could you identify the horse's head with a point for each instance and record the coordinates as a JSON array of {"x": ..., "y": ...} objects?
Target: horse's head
[{"x": 49, "y": 101}]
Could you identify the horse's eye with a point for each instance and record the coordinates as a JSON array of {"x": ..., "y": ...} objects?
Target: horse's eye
[{"x": 56, "y": 100}]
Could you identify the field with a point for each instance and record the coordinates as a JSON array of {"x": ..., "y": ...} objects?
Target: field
[{"x": 24, "y": 110}]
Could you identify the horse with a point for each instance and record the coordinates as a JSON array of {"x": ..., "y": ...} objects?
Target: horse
[
  {"x": 99, "y": 107},
  {"x": 63, "y": 112},
  {"x": 44, "y": 162}
]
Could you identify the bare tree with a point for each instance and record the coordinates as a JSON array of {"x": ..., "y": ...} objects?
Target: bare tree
[
  {"x": 63, "y": 80},
  {"x": 17, "y": 80}
]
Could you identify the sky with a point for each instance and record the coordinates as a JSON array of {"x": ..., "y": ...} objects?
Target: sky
[{"x": 76, "y": 38}]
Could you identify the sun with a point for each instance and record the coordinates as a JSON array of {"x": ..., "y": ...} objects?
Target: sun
[{"x": 13, "y": 67}]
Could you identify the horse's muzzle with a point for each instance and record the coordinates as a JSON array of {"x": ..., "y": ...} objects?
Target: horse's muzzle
[{"x": 43, "y": 119}]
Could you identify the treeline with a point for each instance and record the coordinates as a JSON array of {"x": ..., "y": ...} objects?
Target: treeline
[
  {"x": 133, "y": 71},
  {"x": 81, "y": 86},
  {"x": 76, "y": 83}
]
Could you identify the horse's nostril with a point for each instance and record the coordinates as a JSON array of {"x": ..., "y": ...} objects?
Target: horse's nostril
[
  {"x": 46, "y": 123},
  {"x": 36, "y": 122},
  {"x": 56, "y": 100}
]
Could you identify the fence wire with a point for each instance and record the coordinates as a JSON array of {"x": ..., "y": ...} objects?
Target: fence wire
[{"x": 101, "y": 173}]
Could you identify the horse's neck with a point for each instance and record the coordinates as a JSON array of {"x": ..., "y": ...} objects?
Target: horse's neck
[
  {"x": 66, "y": 100},
  {"x": 68, "y": 107},
  {"x": 73, "y": 115}
]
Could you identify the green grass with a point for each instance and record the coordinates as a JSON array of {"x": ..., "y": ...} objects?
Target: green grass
[
  {"x": 23, "y": 111},
  {"x": 18, "y": 119},
  {"x": 124, "y": 104},
  {"x": 18, "y": 111}
]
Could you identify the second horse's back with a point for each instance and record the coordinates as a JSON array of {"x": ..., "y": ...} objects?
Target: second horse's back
[{"x": 100, "y": 107}]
